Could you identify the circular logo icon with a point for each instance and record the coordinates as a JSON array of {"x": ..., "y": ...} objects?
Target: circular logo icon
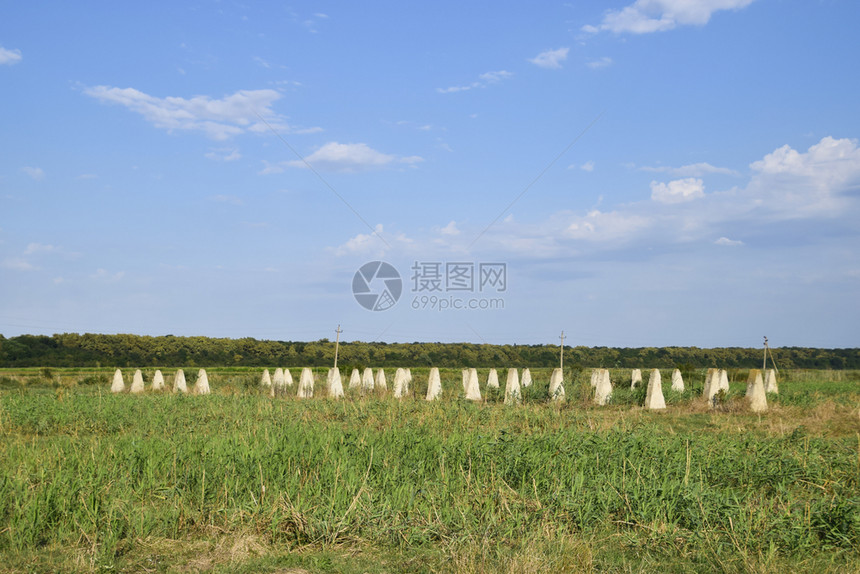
[{"x": 377, "y": 286}]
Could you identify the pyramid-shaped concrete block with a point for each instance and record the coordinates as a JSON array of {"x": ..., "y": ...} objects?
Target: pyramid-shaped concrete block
[
  {"x": 473, "y": 389},
  {"x": 526, "y": 379},
  {"x": 201, "y": 386},
  {"x": 117, "y": 385},
  {"x": 465, "y": 379},
  {"x": 179, "y": 384},
  {"x": 137, "y": 382},
  {"x": 602, "y": 386},
  {"x": 635, "y": 378},
  {"x": 367, "y": 380},
  {"x": 266, "y": 379},
  {"x": 381, "y": 384},
  {"x": 770, "y": 385},
  {"x": 434, "y": 385},
  {"x": 493, "y": 379},
  {"x": 158, "y": 381},
  {"x": 677, "y": 381},
  {"x": 399, "y": 382},
  {"x": 556, "y": 385},
  {"x": 306, "y": 384},
  {"x": 654, "y": 395},
  {"x": 407, "y": 382},
  {"x": 278, "y": 378},
  {"x": 756, "y": 397},
  {"x": 335, "y": 385},
  {"x": 513, "y": 393},
  {"x": 354, "y": 380},
  {"x": 595, "y": 377},
  {"x": 724, "y": 380},
  {"x": 712, "y": 384}
]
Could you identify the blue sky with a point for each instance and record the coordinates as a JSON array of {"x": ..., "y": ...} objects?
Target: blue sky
[{"x": 650, "y": 172}]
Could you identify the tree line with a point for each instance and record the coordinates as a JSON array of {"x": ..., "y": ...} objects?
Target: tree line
[{"x": 94, "y": 350}]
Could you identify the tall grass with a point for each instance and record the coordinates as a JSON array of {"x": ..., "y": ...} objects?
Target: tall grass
[{"x": 86, "y": 470}]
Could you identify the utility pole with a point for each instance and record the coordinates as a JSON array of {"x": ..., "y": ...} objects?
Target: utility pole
[
  {"x": 336, "y": 345},
  {"x": 561, "y": 354},
  {"x": 764, "y": 362}
]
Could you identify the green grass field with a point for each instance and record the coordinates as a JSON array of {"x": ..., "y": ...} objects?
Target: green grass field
[{"x": 238, "y": 482}]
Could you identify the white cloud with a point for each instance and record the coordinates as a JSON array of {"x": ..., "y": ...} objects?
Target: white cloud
[
  {"x": 35, "y": 172},
  {"x": 9, "y": 57},
  {"x": 104, "y": 275},
  {"x": 373, "y": 243},
  {"x": 38, "y": 248},
  {"x": 728, "y": 242},
  {"x": 550, "y": 58},
  {"x": 691, "y": 170},
  {"x": 677, "y": 191},
  {"x": 221, "y": 198},
  {"x": 600, "y": 63},
  {"x": 18, "y": 264},
  {"x": 350, "y": 157},
  {"x": 606, "y": 226},
  {"x": 795, "y": 184},
  {"x": 219, "y": 119},
  {"x": 224, "y": 154},
  {"x": 450, "y": 229},
  {"x": 485, "y": 79},
  {"x": 587, "y": 166},
  {"x": 647, "y": 16}
]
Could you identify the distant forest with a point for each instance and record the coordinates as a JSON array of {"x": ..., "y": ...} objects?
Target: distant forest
[{"x": 74, "y": 350}]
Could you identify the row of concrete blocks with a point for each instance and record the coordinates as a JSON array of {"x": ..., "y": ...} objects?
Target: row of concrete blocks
[
  {"x": 201, "y": 386},
  {"x": 367, "y": 382},
  {"x": 716, "y": 380}
]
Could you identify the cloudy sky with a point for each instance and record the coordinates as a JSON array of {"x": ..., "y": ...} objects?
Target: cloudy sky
[{"x": 644, "y": 173}]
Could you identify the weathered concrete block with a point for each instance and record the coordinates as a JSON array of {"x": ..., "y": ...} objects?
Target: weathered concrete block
[{"x": 654, "y": 395}]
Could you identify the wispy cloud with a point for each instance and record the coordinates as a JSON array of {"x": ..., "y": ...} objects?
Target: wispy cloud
[
  {"x": 9, "y": 57},
  {"x": 599, "y": 63},
  {"x": 219, "y": 119},
  {"x": 692, "y": 170},
  {"x": 350, "y": 157},
  {"x": 484, "y": 80},
  {"x": 678, "y": 191},
  {"x": 34, "y": 172},
  {"x": 550, "y": 58},
  {"x": 725, "y": 241},
  {"x": 224, "y": 154},
  {"x": 648, "y": 16}
]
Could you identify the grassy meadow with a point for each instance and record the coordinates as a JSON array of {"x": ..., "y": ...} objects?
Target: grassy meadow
[{"x": 239, "y": 482}]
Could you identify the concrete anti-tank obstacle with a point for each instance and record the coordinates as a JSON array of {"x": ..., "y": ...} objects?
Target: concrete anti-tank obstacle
[
  {"x": 434, "y": 385},
  {"x": 473, "y": 389},
  {"x": 281, "y": 382},
  {"x": 335, "y": 385},
  {"x": 602, "y": 386},
  {"x": 770, "y": 385},
  {"x": 137, "y": 382},
  {"x": 654, "y": 396},
  {"x": 513, "y": 393},
  {"x": 278, "y": 377},
  {"x": 723, "y": 381},
  {"x": 493, "y": 379},
  {"x": 635, "y": 378},
  {"x": 526, "y": 379},
  {"x": 266, "y": 379},
  {"x": 306, "y": 384},
  {"x": 756, "y": 396},
  {"x": 380, "y": 380},
  {"x": 367, "y": 380},
  {"x": 677, "y": 381},
  {"x": 118, "y": 385},
  {"x": 201, "y": 386},
  {"x": 465, "y": 379},
  {"x": 556, "y": 385},
  {"x": 399, "y": 381},
  {"x": 179, "y": 385},
  {"x": 407, "y": 381},
  {"x": 158, "y": 381},
  {"x": 354, "y": 379},
  {"x": 595, "y": 377},
  {"x": 712, "y": 385}
]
